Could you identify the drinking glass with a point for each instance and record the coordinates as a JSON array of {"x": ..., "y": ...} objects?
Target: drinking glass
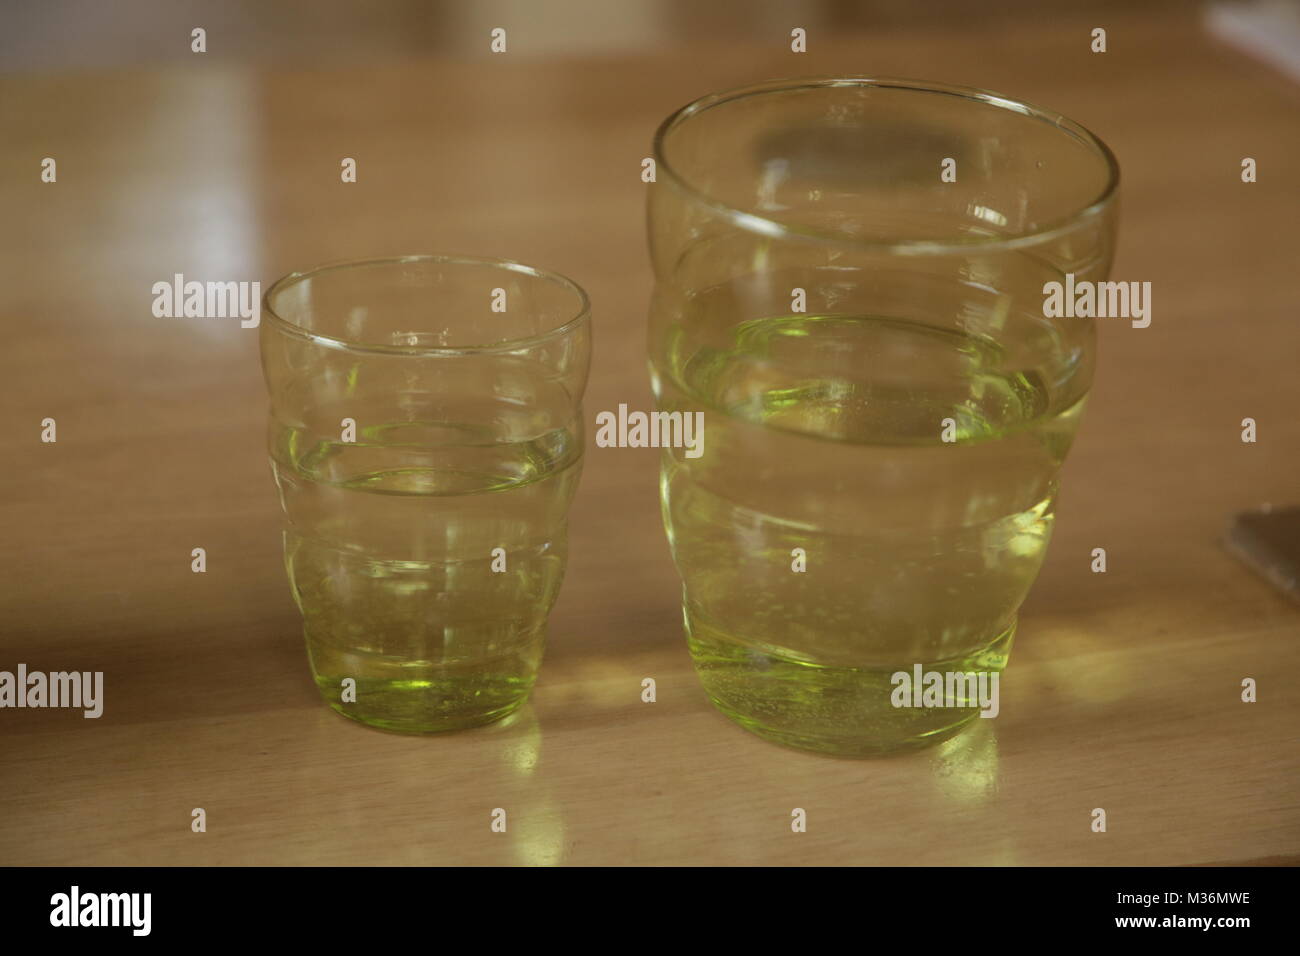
[
  {"x": 426, "y": 439},
  {"x": 849, "y": 284}
]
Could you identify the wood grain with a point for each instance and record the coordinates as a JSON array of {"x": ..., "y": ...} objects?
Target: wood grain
[{"x": 1123, "y": 691}]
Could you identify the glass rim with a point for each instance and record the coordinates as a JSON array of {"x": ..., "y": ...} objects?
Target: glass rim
[
  {"x": 568, "y": 326},
  {"x": 763, "y": 225}
]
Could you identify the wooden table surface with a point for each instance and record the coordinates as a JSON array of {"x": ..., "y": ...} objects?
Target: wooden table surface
[{"x": 1124, "y": 687}]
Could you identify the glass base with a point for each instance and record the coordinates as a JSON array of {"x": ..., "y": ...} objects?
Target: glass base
[
  {"x": 844, "y": 711},
  {"x": 420, "y": 696},
  {"x": 404, "y": 710}
]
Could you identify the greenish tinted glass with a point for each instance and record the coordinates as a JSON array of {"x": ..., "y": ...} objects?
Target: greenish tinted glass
[
  {"x": 886, "y": 406},
  {"x": 426, "y": 439}
]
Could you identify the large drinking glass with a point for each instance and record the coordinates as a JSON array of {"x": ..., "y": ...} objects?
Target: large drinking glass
[
  {"x": 426, "y": 439},
  {"x": 850, "y": 279}
]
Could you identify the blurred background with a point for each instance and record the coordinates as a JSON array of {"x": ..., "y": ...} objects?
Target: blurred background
[{"x": 87, "y": 34}]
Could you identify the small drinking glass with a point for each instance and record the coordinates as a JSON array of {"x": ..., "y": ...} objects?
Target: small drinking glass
[
  {"x": 426, "y": 439},
  {"x": 850, "y": 278}
]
